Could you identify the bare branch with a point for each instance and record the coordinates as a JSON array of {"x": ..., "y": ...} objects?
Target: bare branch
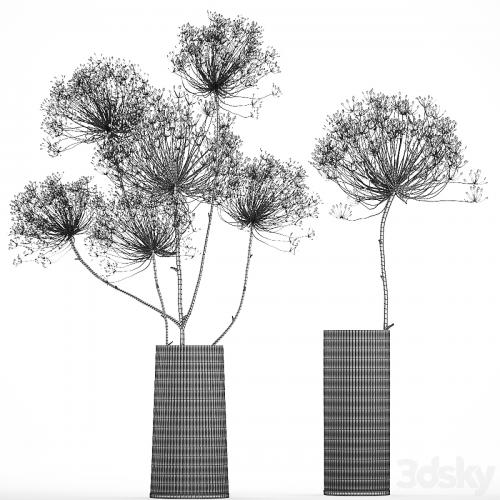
[
  {"x": 105, "y": 281},
  {"x": 160, "y": 296},
  {"x": 243, "y": 292}
]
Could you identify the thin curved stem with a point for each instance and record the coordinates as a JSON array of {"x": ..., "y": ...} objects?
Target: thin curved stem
[
  {"x": 245, "y": 282},
  {"x": 210, "y": 214},
  {"x": 178, "y": 270},
  {"x": 383, "y": 275},
  {"x": 364, "y": 218},
  {"x": 155, "y": 271},
  {"x": 202, "y": 264},
  {"x": 112, "y": 285},
  {"x": 446, "y": 201},
  {"x": 482, "y": 183},
  {"x": 119, "y": 171}
]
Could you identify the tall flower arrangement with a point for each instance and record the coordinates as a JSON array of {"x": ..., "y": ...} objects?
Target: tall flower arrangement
[{"x": 165, "y": 155}]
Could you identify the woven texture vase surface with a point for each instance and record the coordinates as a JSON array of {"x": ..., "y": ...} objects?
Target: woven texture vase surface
[
  {"x": 357, "y": 412},
  {"x": 189, "y": 458}
]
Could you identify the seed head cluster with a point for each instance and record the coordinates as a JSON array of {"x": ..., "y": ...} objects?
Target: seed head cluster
[{"x": 382, "y": 145}]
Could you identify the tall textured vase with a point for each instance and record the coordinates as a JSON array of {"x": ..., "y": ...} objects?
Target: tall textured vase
[
  {"x": 356, "y": 412},
  {"x": 189, "y": 458}
]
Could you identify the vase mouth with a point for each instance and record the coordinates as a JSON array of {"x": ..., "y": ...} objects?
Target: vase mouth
[
  {"x": 349, "y": 493},
  {"x": 360, "y": 330},
  {"x": 191, "y": 347}
]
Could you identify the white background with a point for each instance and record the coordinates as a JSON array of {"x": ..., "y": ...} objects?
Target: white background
[{"x": 77, "y": 359}]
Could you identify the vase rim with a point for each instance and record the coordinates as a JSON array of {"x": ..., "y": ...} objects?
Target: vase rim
[
  {"x": 190, "y": 346},
  {"x": 378, "y": 330}
]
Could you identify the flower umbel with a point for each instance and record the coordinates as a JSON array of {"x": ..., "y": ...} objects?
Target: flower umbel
[
  {"x": 173, "y": 152},
  {"x": 128, "y": 231},
  {"x": 104, "y": 99},
  {"x": 268, "y": 195},
  {"x": 382, "y": 145},
  {"x": 224, "y": 59},
  {"x": 48, "y": 214},
  {"x": 341, "y": 211},
  {"x": 475, "y": 194}
]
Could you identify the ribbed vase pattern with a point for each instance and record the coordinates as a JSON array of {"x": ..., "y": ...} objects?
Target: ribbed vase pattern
[
  {"x": 189, "y": 458},
  {"x": 357, "y": 412}
]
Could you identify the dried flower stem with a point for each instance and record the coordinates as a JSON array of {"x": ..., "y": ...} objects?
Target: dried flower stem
[
  {"x": 124, "y": 193},
  {"x": 210, "y": 216},
  {"x": 383, "y": 274},
  {"x": 202, "y": 263},
  {"x": 155, "y": 271},
  {"x": 245, "y": 281},
  {"x": 112, "y": 285},
  {"x": 178, "y": 270}
]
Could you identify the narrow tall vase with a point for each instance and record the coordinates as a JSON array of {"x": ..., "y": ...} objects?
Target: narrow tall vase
[
  {"x": 189, "y": 458},
  {"x": 356, "y": 412}
]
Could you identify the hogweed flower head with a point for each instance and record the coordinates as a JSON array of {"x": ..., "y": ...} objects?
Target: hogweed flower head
[
  {"x": 268, "y": 195},
  {"x": 382, "y": 145},
  {"x": 129, "y": 229},
  {"x": 104, "y": 99},
  {"x": 173, "y": 152},
  {"x": 47, "y": 215},
  {"x": 225, "y": 59}
]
